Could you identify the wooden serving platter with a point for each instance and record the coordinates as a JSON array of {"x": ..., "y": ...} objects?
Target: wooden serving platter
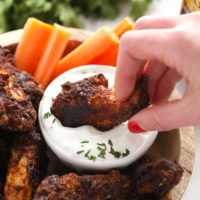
[{"x": 176, "y": 144}]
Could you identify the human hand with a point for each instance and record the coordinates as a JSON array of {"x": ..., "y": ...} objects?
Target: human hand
[{"x": 172, "y": 47}]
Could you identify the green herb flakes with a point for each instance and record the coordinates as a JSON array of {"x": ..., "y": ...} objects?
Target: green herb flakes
[
  {"x": 53, "y": 120},
  {"x": 102, "y": 144},
  {"x": 92, "y": 158},
  {"x": 110, "y": 143},
  {"x": 126, "y": 153},
  {"x": 79, "y": 152},
  {"x": 86, "y": 155},
  {"x": 84, "y": 142},
  {"x": 47, "y": 115}
]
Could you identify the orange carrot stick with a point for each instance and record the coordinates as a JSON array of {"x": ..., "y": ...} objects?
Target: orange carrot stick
[
  {"x": 102, "y": 41},
  {"x": 110, "y": 57},
  {"x": 125, "y": 25},
  {"x": 107, "y": 58},
  {"x": 54, "y": 49},
  {"x": 31, "y": 45}
]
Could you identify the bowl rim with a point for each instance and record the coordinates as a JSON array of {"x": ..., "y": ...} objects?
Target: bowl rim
[{"x": 81, "y": 164}]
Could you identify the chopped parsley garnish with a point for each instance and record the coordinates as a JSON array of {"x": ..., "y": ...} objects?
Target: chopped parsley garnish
[
  {"x": 86, "y": 155},
  {"x": 116, "y": 154},
  {"x": 92, "y": 158},
  {"x": 102, "y": 144},
  {"x": 54, "y": 120},
  {"x": 126, "y": 153},
  {"x": 102, "y": 154},
  {"x": 85, "y": 141},
  {"x": 79, "y": 152},
  {"x": 101, "y": 147},
  {"x": 110, "y": 143},
  {"x": 47, "y": 115}
]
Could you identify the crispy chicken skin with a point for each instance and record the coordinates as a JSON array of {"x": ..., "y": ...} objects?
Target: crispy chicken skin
[
  {"x": 132, "y": 184},
  {"x": 74, "y": 187},
  {"x": 91, "y": 102},
  {"x": 26, "y": 166},
  {"x": 16, "y": 110},
  {"x": 31, "y": 87},
  {"x": 153, "y": 176}
]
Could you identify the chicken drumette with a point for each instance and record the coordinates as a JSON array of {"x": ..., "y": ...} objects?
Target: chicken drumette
[
  {"x": 19, "y": 94},
  {"x": 29, "y": 85},
  {"x": 149, "y": 177},
  {"x": 91, "y": 102},
  {"x": 27, "y": 165}
]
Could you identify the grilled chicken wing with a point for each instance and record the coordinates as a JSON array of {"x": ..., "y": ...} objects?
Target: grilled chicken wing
[
  {"x": 134, "y": 185},
  {"x": 91, "y": 102},
  {"x": 27, "y": 164},
  {"x": 74, "y": 187},
  {"x": 153, "y": 176},
  {"x": 16, "y": 110},
  {"x": 31, "y": 87}
]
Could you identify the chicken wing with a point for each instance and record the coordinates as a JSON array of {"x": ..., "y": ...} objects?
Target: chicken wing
[
  {"x": 153, "y": 176},
  {"x": 133, "y": 185},
  {"x": 27, "y": 165},
  {"x": 31, "y": 87},
  {"x": 16, "y": 110},
  {"x": 91, "y": 102},
  {"x": 72, "y": 186}
]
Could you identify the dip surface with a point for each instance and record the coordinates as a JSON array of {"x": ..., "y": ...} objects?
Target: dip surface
[{"x": 85, "y": 147}]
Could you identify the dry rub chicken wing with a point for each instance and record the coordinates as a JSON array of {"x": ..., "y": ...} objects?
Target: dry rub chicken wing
[
  {"x": 16, "y": 110},
  {"x": 73, "y": 187},
  {"x": 153, "y": 176},
  {"x": 31, "y": 87},
  {"x": 91, "y": 102},
  {"x": 150, "y": 178},
  {"x": 26, "y": 166}
]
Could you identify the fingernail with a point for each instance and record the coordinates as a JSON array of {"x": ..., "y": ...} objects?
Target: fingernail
[{"x": 135, "y": 128}]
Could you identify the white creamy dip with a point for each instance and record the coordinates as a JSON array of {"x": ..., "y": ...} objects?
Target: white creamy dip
[{"x": 78, "y": 146}]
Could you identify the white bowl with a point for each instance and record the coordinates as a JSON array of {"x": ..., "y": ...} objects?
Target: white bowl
[{"x": 66, "y": 141}]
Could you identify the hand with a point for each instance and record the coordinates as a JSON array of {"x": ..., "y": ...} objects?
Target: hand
[{"x": 172, "y": 47}]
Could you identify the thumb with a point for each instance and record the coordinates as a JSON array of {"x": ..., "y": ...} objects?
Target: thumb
[{"x": 166, "y": 116}]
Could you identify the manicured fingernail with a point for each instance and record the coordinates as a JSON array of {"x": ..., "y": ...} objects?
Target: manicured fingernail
[{"x": 135, "y": 128}]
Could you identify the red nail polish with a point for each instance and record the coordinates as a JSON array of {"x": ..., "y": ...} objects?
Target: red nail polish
[{"x": 135, "y": 128}]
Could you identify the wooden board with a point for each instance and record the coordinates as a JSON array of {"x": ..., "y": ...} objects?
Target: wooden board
[{"x": 176, "y": 144}]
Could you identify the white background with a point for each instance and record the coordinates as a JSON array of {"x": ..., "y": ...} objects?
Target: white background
[{"x": 157, "y": 7}]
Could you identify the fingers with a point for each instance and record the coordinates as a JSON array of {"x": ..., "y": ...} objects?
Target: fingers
[
  {"x": 154, "y": 71},
  {"x": 166, "y": 116},
  {"x": 155, "y": 22},
  {"x": 135, "y": 48},
  {"x": 165, "y": 86}
]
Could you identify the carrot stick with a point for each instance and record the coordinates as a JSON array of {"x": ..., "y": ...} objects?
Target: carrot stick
[
  {"x": 110, "y": 57},
  {"x": 31, "y": 45},
  {"x": 107, "y": 58},
  {"x": 125, "y": 25},
  {"x": 102, "y": 41},
  {"x": 54, "y": 49}
]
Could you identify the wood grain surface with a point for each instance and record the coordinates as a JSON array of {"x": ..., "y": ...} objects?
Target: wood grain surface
[{"x": 176, "y": 144}]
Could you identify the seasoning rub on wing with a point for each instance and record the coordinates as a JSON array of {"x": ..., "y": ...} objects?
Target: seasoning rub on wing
[
  {"x": 27, "y": 164},
  {"x": 91, "y": 102},
  {"x": 150, "y": 177}
]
